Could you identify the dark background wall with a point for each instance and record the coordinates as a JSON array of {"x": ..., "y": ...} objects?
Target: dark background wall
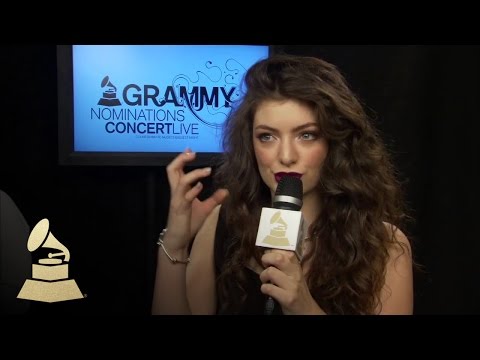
[{"x": 425, "y": 102}]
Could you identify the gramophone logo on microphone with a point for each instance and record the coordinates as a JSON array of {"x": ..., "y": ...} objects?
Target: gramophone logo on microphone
[
  {"x": 50, "y": 282},
  {"x": 280, "y": 229}
]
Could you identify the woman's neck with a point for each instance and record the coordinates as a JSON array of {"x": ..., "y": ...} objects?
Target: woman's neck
[{"x": 311, "y": 206}]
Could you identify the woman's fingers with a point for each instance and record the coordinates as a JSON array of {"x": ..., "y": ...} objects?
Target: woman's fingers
[
  {"x": 282, "y": 268},
  {"x": 284, "y": 260},
  {"x": 283, "y": 279},
  {"x": 273, "y": 291},
  {"x": 186, "y": 211},
  {"x": 201, "y": 209},
  {"x": 193, "y": 192},
  {"x": 190, "y": 181},
  {"x": 276, "y": 284},
  {"x": 175, "y": 168},
  {"x": 215, "y": 199},
  {"x": 286, "y": 283},
  {"x": 274, "y": 276}
]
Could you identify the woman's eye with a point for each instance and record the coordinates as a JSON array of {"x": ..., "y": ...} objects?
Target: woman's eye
[
  {"x": 308, "y": 136},
  {"x": 265, "y": 137}
]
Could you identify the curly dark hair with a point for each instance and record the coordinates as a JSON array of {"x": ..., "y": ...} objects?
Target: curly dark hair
[{"x": 359, "y": 189}]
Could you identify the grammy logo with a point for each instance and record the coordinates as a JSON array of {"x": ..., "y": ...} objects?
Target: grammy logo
[
  {"x": 278, "y": 231},
  {"x": 49, "y": 281},
  {"x": 110, "y": 94}
]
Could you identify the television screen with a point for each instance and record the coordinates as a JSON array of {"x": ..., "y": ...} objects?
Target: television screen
[{"x": 143, "y": 104}]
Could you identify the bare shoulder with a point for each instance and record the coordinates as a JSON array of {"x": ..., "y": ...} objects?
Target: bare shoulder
[
  {"x": 397, "y": 293},
  {"x": 402, "y": 243},
  {"x": 201, "y": 269}
]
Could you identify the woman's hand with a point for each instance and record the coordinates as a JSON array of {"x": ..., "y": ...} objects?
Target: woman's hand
[
  {"x": 284, "y": 281},
  {"x": 186, "y": 213}
]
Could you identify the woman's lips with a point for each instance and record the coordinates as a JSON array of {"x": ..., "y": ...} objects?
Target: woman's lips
[{"x": 279, "y": 175}]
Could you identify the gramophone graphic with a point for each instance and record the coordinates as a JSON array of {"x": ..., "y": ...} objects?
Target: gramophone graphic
[
  {"x": 109, "y": 95},
  {"x": 278, "y": 231},
  {"x": 49, "y": 281}
]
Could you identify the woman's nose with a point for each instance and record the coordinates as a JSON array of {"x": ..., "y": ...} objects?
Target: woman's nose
[{"x": 287, "y": 153}]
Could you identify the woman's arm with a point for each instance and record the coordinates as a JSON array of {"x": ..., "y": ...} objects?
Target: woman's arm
[
  {"x": 201, "y": 293},
  {"x": 169, "y": 295},
  {"x": 193, "y": 284},
  {"x": 186, "y": 216},
  {"x": 397, "y": 294}
]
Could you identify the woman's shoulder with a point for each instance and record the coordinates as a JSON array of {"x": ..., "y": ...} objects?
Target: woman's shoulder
[
  {"x": 401, "y": 243},
  {"x": 397, "y": 292}
]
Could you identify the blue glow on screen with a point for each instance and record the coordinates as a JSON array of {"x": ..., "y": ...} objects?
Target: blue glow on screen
[{"x": 156, "y": 98}]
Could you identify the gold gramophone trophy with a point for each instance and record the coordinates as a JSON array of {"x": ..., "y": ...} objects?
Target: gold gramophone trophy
[
  {"x": 278, "y": 231},
  {"x": 49, "y": 281}
]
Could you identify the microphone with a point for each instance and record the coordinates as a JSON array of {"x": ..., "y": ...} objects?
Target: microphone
[{"x": 283, "y": 226}]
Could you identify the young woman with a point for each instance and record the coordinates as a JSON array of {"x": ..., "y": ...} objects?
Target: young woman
[{"x": 298, "y": 117}]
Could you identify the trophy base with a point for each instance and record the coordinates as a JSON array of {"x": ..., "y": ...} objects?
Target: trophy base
[
  {"x": 276, "y": 241},
  {"x": 50, "y": 291},
  {"x": 109, "y": 102}
]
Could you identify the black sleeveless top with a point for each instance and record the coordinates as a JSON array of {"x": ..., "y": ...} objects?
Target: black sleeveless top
[{"x": 224, "y": 246}]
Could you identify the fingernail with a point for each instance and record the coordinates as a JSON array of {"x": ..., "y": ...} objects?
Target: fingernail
[{"x": 207, "y": 170}]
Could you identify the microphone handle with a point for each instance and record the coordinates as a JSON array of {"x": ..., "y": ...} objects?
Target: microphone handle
[{"x": 269, "y": 306}]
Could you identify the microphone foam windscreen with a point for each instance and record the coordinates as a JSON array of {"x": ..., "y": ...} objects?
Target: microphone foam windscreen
[{"x": 290, "y": 186}]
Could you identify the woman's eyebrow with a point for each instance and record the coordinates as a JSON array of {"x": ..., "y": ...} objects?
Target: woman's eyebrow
[{"x": 298, "y": 128}]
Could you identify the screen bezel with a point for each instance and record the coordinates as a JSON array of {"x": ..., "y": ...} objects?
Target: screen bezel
[{"x": 67, "y": 155}]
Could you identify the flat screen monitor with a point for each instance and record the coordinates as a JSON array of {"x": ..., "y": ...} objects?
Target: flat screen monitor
[{"x": 141, "y": 105}]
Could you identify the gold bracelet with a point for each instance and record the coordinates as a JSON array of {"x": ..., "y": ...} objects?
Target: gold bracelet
[{"x": 172, "y": 259}]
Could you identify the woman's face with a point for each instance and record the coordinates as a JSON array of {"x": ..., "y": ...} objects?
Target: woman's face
[{"x": 287, "y": 140}]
